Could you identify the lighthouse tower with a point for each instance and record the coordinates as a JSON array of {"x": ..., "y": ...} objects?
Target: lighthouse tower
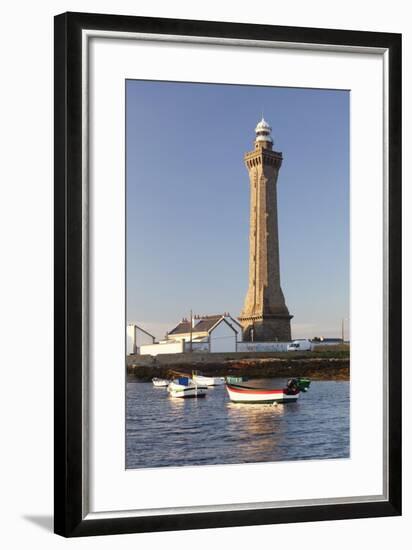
[{"x": 265, "y": 316}]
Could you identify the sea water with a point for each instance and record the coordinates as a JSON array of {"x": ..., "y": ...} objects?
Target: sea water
[{"x": 164, "y": 431}]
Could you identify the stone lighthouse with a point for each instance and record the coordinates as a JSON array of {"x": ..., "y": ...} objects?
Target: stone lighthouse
[{"x": 265, "y": 316}]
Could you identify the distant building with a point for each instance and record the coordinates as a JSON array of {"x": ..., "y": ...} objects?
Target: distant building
[
  {"x": 202, "y": 327},
  {"x": 207, "y": 333},
  {"x": 137, "y": 337}
]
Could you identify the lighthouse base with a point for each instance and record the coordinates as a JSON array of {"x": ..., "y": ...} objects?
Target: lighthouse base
[{"x": 266, "y": 328}]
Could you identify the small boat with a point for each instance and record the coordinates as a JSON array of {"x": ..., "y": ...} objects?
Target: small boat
[
  {"x": 302, "y": 383},
  {"x": 241, "y": 393},
  {"x": 208, "y": 380},
  {"x": 236, "y": 379},
  {"x": 160, "y": 382},
  {"x": 185, "y": 387}
]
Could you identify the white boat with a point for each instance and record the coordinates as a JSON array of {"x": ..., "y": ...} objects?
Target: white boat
[
  {"x": 185, "y": 387},
  {"x": 249, "y": 394},
  {"x": 208, "y": 380},
  {"x": 160, "y": 382}
]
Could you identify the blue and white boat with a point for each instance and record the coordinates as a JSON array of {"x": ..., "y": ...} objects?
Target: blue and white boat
[{"x": 184, "y": 386}]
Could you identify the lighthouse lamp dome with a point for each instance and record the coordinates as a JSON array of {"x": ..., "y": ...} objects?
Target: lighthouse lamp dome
[{"x": 263, "y": 131}]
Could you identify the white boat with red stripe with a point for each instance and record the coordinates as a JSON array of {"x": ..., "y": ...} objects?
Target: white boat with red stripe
[{"x": 241, "y": 393}]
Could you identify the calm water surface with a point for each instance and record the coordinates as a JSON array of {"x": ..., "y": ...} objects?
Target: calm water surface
[{"x": 162, "y": 431}]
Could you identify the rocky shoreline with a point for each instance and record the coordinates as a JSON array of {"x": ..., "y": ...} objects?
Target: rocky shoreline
[{"x": 316, "y": 368}]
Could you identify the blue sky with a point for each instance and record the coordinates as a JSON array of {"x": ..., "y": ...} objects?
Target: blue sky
[{"x": 188, "y": 201}]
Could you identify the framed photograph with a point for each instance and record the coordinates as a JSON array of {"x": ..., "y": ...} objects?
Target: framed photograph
[{"x": 227, "y": 274}]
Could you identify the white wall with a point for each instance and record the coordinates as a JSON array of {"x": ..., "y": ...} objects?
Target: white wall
[
  {"x": 136, "y": 338},
  {"x": 222, "y": 338},
  {"x": 237, "y": 327},
  {"x": 158, "y": 349},
  {"x": 142, "y": 338},
  {"x": 26, "y": 224},
  {"x": 198, "y": 346},
  {"x": 130, "y": 339},
  {"x": 186, "y": 337}
]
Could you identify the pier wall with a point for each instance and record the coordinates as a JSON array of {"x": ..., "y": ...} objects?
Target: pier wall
[{"x": 319, "y": 366}]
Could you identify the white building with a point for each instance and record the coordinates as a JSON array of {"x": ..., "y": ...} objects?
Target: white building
[
  {"x": 208, "y": 333},
  {"x": 136, "y": 337}
]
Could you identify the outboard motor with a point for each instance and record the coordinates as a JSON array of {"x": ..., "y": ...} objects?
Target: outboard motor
[{"x": 292, "y": 387}]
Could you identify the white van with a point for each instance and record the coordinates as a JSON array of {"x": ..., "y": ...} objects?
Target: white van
[{"x": 300, "y": 345}]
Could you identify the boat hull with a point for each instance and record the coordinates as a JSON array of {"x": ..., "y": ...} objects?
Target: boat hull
[
  {"x": 208, "y": 380},
  {"x": 182, "y": 392},
  {"x": 239, "y": 394},
  {"x": 160, "y": 383}
]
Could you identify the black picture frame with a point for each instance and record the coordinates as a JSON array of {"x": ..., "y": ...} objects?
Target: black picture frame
[{"x": 69, "y": 490}]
